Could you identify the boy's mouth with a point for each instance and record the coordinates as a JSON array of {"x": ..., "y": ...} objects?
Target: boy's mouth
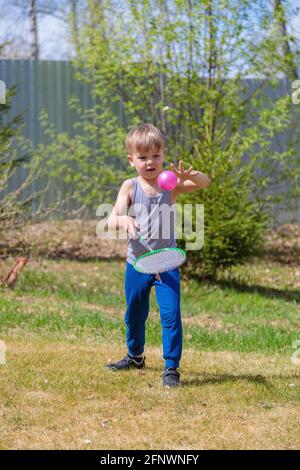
[{"x": 150, "y": 169}]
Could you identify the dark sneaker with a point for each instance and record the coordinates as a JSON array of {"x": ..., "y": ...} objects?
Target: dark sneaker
[
  {"x": 128, "y": 362},
  {"x": 171, "y": 377}
]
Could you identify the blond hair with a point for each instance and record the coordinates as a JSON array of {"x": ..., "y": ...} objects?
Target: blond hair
[{"x": 144, "y": 138}]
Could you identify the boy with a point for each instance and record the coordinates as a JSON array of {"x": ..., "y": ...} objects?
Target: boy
[{"x": 145, "y": 146}]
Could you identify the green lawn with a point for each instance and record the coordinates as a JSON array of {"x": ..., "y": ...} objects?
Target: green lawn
[
  {"x": 87, "y": 298},
  {"x": 64, "y": 321}
]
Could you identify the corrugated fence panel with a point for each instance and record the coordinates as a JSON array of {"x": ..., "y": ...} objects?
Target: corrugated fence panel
[{"x": 49, "y": 85}]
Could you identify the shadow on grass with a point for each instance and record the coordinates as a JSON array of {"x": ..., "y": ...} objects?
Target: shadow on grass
[
  {"x": 85, "y": 259},
  {"x": 223, "y": 378}
]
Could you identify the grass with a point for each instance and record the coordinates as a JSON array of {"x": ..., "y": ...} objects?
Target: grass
[{"x": 64, "y": 321}]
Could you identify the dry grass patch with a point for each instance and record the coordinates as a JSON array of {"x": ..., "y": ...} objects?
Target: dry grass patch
[
  {"x": 265, "y": 272},
  {"x": 204, "y": 321}
]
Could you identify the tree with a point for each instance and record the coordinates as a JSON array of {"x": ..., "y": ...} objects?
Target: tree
[
  {"x": 16, "y": 204},
  {"x": 33, "y": 30},
  {"x": 27, "y": 14},
  {"x": 15, "y": 207},
  {"x": 10, "y": 208},
  {"x": 281, "y": 26}
]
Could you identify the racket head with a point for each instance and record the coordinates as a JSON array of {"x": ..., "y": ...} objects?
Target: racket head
[{"x": 159, "y": 261}]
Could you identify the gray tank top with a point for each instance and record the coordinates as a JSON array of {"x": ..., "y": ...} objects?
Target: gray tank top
[{"x": 156, "y": 219}]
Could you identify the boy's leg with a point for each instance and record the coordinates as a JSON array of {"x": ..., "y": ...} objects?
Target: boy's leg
[
  {"x": 168, "y": 299},
  {"x": 137, "y": 291}
]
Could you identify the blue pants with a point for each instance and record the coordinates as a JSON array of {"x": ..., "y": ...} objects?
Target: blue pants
[{"x": 137, "y": 291}]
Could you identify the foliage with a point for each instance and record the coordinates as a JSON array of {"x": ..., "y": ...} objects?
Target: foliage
[
  {"x": 208, "y": 73},
  {"x": 11, "y": 205},
  {"x": 17, "y": 190}
]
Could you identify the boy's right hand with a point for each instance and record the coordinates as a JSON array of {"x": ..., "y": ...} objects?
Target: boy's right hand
[{"x": 130, "y": 225}]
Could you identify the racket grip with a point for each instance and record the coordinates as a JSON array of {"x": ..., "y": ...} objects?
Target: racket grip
[{"x": 144, "y": 243}]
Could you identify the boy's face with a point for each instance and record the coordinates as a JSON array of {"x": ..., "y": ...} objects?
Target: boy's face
[{"x": 148, "y": 164}]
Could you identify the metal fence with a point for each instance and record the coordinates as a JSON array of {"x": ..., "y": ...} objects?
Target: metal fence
[
  {"x": 49, "y": 85},
  {"x": 43, "y": 85}
]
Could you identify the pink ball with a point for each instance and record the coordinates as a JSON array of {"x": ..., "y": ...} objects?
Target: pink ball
[{"x": 167, "y": 180}]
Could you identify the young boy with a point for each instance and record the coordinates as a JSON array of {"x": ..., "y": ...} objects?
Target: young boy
[{"x": 145, "y": 146}]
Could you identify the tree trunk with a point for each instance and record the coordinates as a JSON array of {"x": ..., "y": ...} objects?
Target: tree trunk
[
  {"x": 280, "y": 21},
  {"x": 15, "y": 272},
  {"x": 212, "y": 61},
  {"x": 74, "y": 25},
  {"x": 33, "y": 30}
]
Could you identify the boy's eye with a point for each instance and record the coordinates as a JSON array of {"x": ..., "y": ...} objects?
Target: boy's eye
[{"x": 144, "y": 158}]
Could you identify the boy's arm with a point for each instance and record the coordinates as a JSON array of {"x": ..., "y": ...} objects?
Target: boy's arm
[
  {"x": 121, "y": 206},
  {"x": 188, "y": 180}
]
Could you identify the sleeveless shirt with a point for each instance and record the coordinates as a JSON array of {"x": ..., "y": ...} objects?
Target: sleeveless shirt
[{"x": 156, "y": 221}]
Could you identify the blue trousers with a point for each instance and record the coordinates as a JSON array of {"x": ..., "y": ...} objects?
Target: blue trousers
[{"x": 137, "y": 291}]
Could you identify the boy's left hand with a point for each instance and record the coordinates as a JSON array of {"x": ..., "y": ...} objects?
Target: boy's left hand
[{"x": 183, "y": 174}]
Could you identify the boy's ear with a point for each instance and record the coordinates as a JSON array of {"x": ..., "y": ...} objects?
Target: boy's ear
[{"x": 130, "y": 159}]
